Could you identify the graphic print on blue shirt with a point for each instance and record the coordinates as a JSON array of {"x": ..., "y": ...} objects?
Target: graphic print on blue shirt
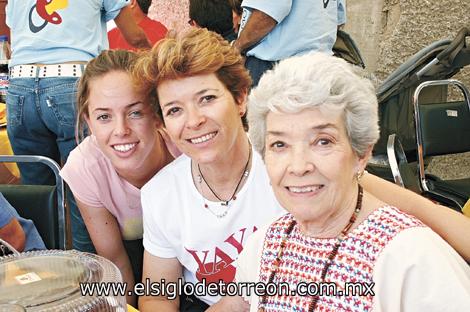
[{"x": 46, "y": 11}]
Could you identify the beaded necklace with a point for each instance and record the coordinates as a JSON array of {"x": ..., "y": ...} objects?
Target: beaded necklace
[
  {"x": 225, "y": 203},
  {"x": 331, "y": 256}
]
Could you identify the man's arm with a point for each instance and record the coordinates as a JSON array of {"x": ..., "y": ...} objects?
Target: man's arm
[
  {"x": 133, "y": 34},
  {"x": 157, "y": 269},
  {"x": 259, "y": 24},
  {"x": 449, "y": 224},
  {"x": 11, "y": 230},
  {"x": 13, "y": 234}
]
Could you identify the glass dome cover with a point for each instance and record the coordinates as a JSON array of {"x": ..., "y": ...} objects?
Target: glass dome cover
[{"x": 52, "y": 280}]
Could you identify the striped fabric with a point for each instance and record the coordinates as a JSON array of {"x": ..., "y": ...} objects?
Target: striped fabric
[{"x": 304, "y": 258}]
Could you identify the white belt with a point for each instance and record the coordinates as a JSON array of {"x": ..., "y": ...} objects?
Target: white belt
[{"x": 45, "y": 71}]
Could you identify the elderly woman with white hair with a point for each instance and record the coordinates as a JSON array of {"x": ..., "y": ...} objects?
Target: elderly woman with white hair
[{"x": 315, "y": 122}]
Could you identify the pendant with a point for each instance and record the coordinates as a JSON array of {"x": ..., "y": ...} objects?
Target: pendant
[
  {"x": 218, "y": 216},
  {"x": 221, "y": 215},
  {"x": 225, "y": 203}
]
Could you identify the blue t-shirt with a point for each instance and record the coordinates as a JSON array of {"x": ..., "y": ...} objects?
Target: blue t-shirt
[
  {"x": 341, "y": 12},
  {"x": 303, "y": 26},
  {"x": 59, "y": 31},
  {"x": 7, "y": 213}
]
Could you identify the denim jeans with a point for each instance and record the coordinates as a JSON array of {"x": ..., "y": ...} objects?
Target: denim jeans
[
  {"x": 257, "y": 68},
  {"x": 41, "y": 121}
]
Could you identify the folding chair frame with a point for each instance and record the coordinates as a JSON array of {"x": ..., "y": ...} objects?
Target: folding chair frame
[
  {"x": 419, "y": 134},
  {"x": 59, "y": 188},
  {"x": 392, "y": 159}
]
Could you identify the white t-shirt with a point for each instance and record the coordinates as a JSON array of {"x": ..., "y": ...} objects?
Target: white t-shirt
[{"x": 176, "y": 223}]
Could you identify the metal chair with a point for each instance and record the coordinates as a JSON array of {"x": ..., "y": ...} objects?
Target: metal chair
[
  {"x": 441, "y": 129},
  {"x": 44, "y": 204},
  {"x": 402, "y": 171}
]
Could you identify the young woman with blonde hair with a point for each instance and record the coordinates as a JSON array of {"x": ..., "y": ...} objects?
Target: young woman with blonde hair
[{"x": 126, "y": 147}]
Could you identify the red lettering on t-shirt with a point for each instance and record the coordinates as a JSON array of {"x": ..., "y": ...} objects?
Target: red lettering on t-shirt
[{"x": 221, "y": 267}]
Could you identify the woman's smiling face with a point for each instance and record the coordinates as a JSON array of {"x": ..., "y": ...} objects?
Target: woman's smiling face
[
  {"x": 123, "y": 123},
  {"x": 310, "y": 162},
  {"x": 201, "y": 116}
]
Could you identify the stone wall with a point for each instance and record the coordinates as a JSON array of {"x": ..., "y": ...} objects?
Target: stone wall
[{"x": 388, "y": 32}]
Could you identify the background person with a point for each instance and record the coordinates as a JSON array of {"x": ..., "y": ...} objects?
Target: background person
[
  {"x": 215, "y": 15},
  {"x": 237, "y": 12},
  {"x": 127, "y": 146},
  {"x": 334, "y": 232},
  {"x": 51, "y": 42},
  {"x": 154, "y": 30},
  {"x": 272, "y": 31}
]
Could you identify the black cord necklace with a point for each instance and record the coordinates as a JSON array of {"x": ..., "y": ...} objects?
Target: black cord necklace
[{"x": 233, "y": 197}]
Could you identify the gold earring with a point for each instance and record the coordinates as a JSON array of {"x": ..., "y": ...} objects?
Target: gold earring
[{"x": 359, "y": 175}]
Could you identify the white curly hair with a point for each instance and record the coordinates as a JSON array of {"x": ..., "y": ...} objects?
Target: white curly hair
[{"x": 316, "y": 80}]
